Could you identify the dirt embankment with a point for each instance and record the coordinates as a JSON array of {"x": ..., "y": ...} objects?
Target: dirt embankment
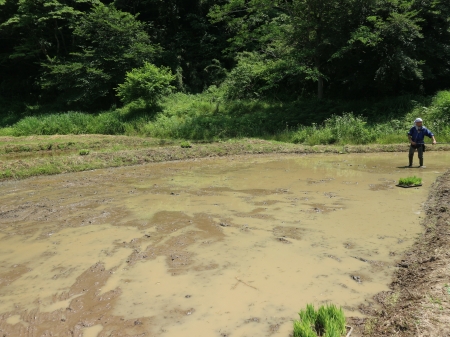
[
  {"x": 33, "y": 156},
  {"x": 419, "y": 302}
]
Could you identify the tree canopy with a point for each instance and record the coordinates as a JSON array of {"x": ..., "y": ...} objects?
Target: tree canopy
[{"x": 84, "y": 52}]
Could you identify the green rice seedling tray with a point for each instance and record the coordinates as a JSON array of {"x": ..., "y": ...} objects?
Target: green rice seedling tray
[{"x": 408, "y": 186}]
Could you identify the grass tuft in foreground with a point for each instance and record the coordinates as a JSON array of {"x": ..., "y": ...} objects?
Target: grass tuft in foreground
[
  {"x": 410, "y": 181},
  {"x": 327, "y": 321}
]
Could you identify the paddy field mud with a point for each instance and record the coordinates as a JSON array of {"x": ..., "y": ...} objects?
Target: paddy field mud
[{"x": 219, "y": 247}]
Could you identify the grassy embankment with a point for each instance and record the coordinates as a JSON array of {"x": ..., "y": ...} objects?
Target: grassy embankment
[
  {"x": 22, "y": 157},
  {"x": 418, "y": 303},
  {"x": 208, "y": 117},
  {"x": 35, "y": 144}
]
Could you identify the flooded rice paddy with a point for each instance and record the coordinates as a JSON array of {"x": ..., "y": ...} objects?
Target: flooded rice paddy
[{"x": 228, "y": 247}]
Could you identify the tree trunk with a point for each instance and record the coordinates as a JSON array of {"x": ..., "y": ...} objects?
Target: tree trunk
[
  {"x": 320, "y": 87},
  {"x": 319, "y": 80}
]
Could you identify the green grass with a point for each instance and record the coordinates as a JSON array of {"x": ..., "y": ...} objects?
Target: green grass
[
  {"x": 447, "y": 289},
  {"x": 327, "y": 321},
  {"x": 204, "y": 117},
  {"x": 84, "y": 152},
  {"x": 185, "y": 145},
  {"x": 410, "y": 181}
]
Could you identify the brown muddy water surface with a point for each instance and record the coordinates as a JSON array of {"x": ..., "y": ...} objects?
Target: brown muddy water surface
[{"x": 223, "y": 247}]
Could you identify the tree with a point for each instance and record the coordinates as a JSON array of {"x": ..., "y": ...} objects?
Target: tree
[
  {"x": 191, "y": 42},
  {"x": 311, "y": 32},
  {"x": 321, "y": 29},
  {"x": 32, "y": 31},
  {"x": 149, "y": 83},
  {"x": 109, "y": 43},
  {"x": 392, "y": 33},
  {"x": 434, "y": 47}
]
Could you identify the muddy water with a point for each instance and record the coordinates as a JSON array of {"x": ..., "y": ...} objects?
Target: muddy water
[{"x": 230, "y": 247}]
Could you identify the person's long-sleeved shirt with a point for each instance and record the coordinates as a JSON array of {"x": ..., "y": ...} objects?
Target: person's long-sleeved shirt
[{"x": 418, "y": 134}]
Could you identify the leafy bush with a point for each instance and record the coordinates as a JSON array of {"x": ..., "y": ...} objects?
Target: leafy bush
[
  {"x": 148, "y": 82},
  {"x": 84, "y": 152},
  {"x": 327, "y": 321},
  {"x": 257, "y": 75},
  {"x": 347, "y": 129}
]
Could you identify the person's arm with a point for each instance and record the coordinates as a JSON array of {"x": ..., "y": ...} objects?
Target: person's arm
[{"x": 431, "y": 135}]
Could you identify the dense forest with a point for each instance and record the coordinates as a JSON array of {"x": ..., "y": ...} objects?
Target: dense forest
[{"x": 93, "y": 55}]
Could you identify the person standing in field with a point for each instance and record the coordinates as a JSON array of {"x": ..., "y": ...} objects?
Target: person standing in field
[{"x": 416, "y": 137}]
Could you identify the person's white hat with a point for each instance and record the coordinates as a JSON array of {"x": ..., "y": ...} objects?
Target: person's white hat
[{"x": 418, "y": 120}]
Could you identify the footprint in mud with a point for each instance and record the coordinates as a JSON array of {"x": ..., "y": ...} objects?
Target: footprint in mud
[
  {"x": 283, "y": 240},
  {"x": 334, "y": 258},
  {"x": 381, "y": 187},
  {"x": 356, "y": 278},
  {"x": 349, "y": 245},
  {"x": 319, "y": 181},
  {"x": 360, "y": 278},
  {"x": 322, "y": 208},
  {"x": 288, "y": 232}
]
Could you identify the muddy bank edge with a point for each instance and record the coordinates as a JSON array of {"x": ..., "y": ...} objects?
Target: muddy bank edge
[
  {"x": 419, "y": 301},
  {"x": 52, "y": 162}
]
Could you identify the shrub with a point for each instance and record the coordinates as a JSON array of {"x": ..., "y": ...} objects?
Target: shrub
[
  {"x": 349, "y": 128},
  {"x": 148, "y": 82},
  {"x": 84, "y": 152}
]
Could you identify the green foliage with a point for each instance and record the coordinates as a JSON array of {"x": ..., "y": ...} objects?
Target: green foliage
[
  {"x": 257, "y": 76},
  {"x": 332, "y": 330},
  {"x": 43, "y": 23},
  {"x": 345, "y": 129},
  {"x": 185, "y": 145},
  {"x": 77, "y": 52},
  {"x": 109, "y": 43},
  {"x": 70, "y": 123},
  {"x": 303, "y": 329},
  {"x": 149, "y": 83},
  {"x": 328, "y": 321},
  {"x": 308, "y": 315},
  {"x": 447, "y": 289},
  {"x": 208, "y": 116},
  {"x": 410, "y": 181},
  {"x": 84, "y": 152},
  {"x": 392, "y": 31}
]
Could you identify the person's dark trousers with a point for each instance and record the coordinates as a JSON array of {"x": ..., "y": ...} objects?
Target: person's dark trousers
[{"x": 412, "y": 149}]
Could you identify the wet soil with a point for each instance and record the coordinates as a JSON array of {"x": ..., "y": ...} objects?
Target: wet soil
[
  {"x": 418, "y": 303},
  {"x": 231, "y": 247}
]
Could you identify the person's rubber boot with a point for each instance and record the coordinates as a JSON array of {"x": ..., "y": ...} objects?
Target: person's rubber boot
[
  {"x": 421, "y": 162},
  {"x": 410, "y": 161}
]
